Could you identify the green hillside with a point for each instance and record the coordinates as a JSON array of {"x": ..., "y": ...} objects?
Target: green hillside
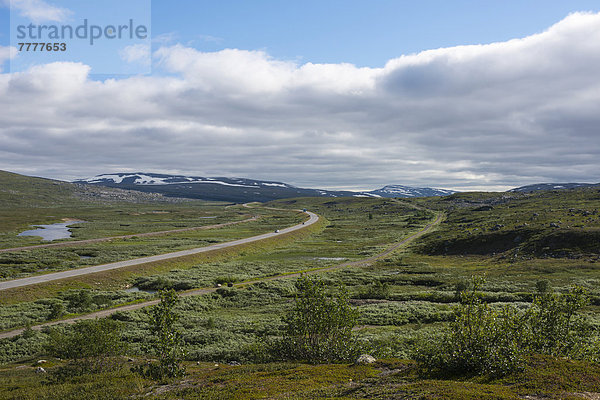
[
  {"x": 547, "y": 224},
  {"x": 526, "y": 247}
]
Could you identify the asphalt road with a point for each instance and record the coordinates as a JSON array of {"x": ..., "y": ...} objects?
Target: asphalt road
[
  {"x": 105, "y": 313},
  {"x": 161, "y": 257}
]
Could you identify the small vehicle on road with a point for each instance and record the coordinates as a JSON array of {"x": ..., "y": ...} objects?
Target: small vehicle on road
[{"x": 276, "y": 230}]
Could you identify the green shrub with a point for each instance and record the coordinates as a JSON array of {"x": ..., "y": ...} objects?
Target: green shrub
[
  {"x": 319, "y": 327},
  {"x": 80, "y": 300},
  {"x": 482, "y": 340},
  {"x": 156, "y": 283},
  {"x": 377, "y": 290},
  {"x": 223, "y": 280},
  {"x": 89, "y": 345},
  {"x": 57, "y": 310},
  {"x": 167, "y": 342},
  {"x": 86, "y": 339},
  {"x": 555, "y": 328}
]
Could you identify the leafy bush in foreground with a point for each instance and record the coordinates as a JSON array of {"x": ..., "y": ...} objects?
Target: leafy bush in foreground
[
  {"x": 90, "y": 345},
  {"x": 319, "y": 327},
  {"x": 86, "y": 339},
  {"x": 555, "y": 326},
  {"x": 483, "y": 340},
  {"x": 167, "y": 343}
]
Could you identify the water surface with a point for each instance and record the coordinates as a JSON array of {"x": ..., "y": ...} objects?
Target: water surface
[{"x": 51, "y": 232}]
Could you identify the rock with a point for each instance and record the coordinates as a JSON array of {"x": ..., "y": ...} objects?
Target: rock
[
  {"x": 554, "y": 225},
  {"x": 365, "y": 359},
  {"x": 40, "y": 370}
]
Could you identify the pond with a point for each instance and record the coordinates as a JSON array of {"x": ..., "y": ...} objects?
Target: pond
[{"x": 51, "y": 232}]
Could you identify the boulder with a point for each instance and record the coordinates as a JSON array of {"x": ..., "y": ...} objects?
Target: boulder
[{"x": 365, "y": 359}]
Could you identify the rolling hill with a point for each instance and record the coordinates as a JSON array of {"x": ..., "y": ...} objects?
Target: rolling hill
[{"x": 551, "y": 186}]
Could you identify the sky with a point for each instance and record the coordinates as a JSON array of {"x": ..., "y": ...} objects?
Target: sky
[{"x": 466, "y": 95}]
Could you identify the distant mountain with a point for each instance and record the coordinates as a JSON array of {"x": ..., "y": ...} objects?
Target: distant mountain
[
  {"x": 26, "y": 191},
  {"x": 407, "y": 191},
  {"x": 239, "y": 189},
  {"x": 220, "y": 188},
  {"x": 162, "y": 179},
  {"x": 551, "y": 186}
]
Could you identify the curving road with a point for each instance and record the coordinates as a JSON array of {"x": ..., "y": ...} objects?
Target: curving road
[
  {"x": 196, "y": 292},
  {"x": 161, "y": 257}
]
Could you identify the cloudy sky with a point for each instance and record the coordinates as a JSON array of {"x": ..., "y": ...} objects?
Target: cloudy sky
[{"x": 342, "y": 95}]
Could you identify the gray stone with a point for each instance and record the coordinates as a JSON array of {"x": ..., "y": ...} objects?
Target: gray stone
[{"x": 365, "y": 359}]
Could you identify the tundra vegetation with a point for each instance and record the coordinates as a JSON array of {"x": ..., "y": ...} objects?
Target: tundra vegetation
[{"x": 500, "y": 301}]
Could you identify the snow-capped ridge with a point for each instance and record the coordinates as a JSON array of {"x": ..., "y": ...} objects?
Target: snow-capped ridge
[
  {"x": 552, "y": 186},
  {"x": 160, "y": 179},
  {"x": 408, "y": 191},
  {"x": 240, "y": 189}
]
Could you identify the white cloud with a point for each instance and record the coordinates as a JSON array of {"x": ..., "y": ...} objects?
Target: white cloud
[
  {"x": 165, "y": 38},
  {"x": 496, "y": 115},
  {"x": 210, "y": 39},
  {"x": 136, "y": 53},
  {"x": 39, "y": 10},
  {"x": 7, "y": 53}
]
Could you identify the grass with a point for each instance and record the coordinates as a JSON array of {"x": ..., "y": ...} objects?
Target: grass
[
  {"x": 400, "y": 296},
  {"x": 403, "y": 298},
  {"x": 517, "y": 226},
  {"x": 193, "y": 269},
  {"x": 545, "y": 378},
  {"x": 43, "y": 260}
]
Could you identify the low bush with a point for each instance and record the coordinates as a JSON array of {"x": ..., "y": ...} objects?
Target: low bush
[
  {"x": 319, "y": 327},
  {"x": 484, "y": 340},
  {"x": 86, "y": 339},
  {"x": 377, "y": 290},
  {"x": 90, "y": 346},
  {"x": 167, "y": 340}
]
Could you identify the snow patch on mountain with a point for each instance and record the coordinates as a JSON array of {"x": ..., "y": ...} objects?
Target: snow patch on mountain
[
  {"x": 156, "y": 179},
  {"x": 407, "y": 191}
]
